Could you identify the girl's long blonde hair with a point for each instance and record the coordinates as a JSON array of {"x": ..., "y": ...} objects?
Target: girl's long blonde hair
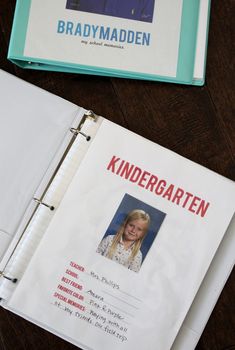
[{"x": 135, "y": 214}]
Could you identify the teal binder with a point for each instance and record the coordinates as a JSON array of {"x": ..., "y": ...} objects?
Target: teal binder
[{"x": 191, "y": 46}]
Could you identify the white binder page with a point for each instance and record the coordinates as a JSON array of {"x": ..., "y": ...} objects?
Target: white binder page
[
  {"x": 129, "y": 246},
  {"x": 34, "y": 125}
]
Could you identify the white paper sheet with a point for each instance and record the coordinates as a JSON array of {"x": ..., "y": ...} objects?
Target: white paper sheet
[{"x": 98, "y": 302}]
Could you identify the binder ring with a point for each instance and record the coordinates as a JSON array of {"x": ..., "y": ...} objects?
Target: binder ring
[
  {"x": 13, "y": 280},
  {"x": 77, "y": 131},
  {"x": 91, "y": 115},
  {"x": 51, "y": 207}
]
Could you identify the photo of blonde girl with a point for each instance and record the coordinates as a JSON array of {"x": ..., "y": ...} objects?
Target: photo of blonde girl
[
  {"x": 124, "y": 246},
  {"x": 131, "y": 233}
]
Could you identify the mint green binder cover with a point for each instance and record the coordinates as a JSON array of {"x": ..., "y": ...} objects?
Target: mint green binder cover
[{"x": 186, "y": 55}]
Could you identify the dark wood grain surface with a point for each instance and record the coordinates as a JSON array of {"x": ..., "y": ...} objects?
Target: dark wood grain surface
[{"x": 196, "y": 122}]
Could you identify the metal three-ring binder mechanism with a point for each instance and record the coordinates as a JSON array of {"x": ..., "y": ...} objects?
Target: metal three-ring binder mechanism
[
  {"x": 64, "y": 169},
  {"x": 76, "y": 131},
  {"x": 36, "y": 116},
  {"x": 57, "y": 185}
]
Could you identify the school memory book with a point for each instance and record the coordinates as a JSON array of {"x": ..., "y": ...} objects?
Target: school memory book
[
  {"x": 162, "y": 40},
  {"x": 107, "y": 239}
]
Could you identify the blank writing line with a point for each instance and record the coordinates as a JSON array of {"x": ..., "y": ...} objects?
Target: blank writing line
[
  {"x": 129, "y": 295},
  {"x": 123, "y": 301}
]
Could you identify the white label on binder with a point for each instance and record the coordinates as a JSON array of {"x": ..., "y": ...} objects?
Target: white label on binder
[{"x": 106, "y": 41}]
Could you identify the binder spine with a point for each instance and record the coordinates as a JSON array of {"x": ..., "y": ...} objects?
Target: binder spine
[{"x": 46, "y": 205}]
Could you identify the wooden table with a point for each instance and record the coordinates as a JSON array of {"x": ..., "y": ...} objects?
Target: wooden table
[{"x": 196, "y": 122}]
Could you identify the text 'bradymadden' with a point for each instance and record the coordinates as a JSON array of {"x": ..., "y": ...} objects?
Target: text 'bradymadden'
[
  {"x": 160, "y": 187},
  {"x": 103, "y": 33}
]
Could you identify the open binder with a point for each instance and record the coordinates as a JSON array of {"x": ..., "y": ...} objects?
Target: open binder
[
  {"x": 166, "y": 41},
  {"x": 47, "y": 186}
]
